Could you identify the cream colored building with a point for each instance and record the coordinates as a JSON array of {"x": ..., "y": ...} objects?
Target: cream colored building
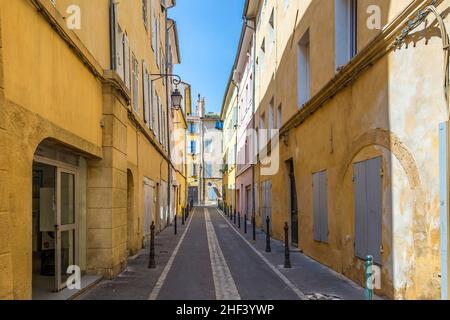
[
  {"x": 229, "y": 116},
  {"x": 356, "y": 90},
  {"x": 84, "y": 137}
]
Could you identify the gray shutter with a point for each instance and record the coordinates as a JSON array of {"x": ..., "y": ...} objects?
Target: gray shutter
[
  {"x": 145, "y": 92},
  {"x": 316, "y": 207},
  {"x": 359, "y": 182},
  {"x": 150, "y": 101},
  {"x": 154, "y": 110},
  {"x": 126, "y": 64},
  {"x": 373, "y": 174},
  {"x": 323, "y": 207},
  {"x": 153, "y": 25},
  {"x": 120, "y": 69}
]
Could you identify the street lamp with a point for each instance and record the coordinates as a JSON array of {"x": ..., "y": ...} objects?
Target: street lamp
[
  {"x": 176, "y": 99},
  {"x": 176, "y": 95}
]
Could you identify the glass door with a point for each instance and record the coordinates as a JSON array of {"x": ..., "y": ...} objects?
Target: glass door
[{"x": 65, "y": 225}]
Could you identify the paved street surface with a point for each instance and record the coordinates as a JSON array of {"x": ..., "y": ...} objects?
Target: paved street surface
[{"x": 210, "y": 258}]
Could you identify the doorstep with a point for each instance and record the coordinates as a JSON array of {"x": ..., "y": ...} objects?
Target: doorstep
[{"x": 87, "y": 282}]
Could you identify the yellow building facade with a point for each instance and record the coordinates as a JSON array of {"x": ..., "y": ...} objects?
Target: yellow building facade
[
  {"x": 84, "y": 137},
  {"x": 357, "y": 108}
]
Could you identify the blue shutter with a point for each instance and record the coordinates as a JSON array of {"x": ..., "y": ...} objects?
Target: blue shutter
[
  {"x": 374, "y": 221},
  {"x": 316, "y": 206},
  {"x": 323, "y": 207},
  {"x": 359, "y": 182}
]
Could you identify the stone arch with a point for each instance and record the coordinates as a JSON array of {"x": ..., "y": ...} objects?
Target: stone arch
[{"x": 392, "y": 143}]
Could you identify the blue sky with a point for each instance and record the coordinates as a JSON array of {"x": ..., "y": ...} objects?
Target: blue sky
[{"x": 209, "y": 33}]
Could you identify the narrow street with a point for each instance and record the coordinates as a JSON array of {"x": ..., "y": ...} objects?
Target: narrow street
[{"x": 210, "y": 258}]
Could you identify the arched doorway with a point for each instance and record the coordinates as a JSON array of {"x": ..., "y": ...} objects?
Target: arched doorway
[{"x": 58, "y": 217}]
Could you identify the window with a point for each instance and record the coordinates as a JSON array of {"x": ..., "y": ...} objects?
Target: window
[
  {"x": 304, "y": 90},
  {"x": 279, "y": 117},
  {"x": 117, "y": 47},
  {"x": 219, "y": 125},
  {"x": 367, "y": 180},
  {"x": 154, "y": 110},
  {"x": 126, "y": 59},
  {"x": 146, "y": 93},
  {"x": 209, "y": 146},
  {"x": 320, "y": 206},
  {"x": 145, "y": 13},
  {"x": 208, "y": 170},
  {"x": 192, "y": 147},
  {"x": 192, "y": 128},
  {"x": 262, "y": 57},
  {"x": 157, "y": 116},
  {"x": 135, "y": 76},
  {"x": 271, "y": 31},
  {"x": 150, "y": 103},
  {"x": 345, "y": 31},
  {"x": 193, "y": 170},
  {"x": 153, "y": 28}
]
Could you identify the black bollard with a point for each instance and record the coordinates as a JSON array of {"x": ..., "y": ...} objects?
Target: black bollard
[
  {"x": 287, "y": 259},
  {"x": 268, "y": 248},
  {"x": 234, "y": 216},
  {"x": 231, "y": 213},
  {"x": 182, "y": 216},
  {"x": 151, "y": 263},
  {"x": 239, "y": 220},
  {"x": 245, "y": 223},
  {"x": 254, "y": 227},
  {"x": 175, "y": 225}
]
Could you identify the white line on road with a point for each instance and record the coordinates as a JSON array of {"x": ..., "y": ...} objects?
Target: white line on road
[
  {"x": 163, "y": 276},
  {"x": 300, "y": 294},
  {"x": 223, "y": 280}
]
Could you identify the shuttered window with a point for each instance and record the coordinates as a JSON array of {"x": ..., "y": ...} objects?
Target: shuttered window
[
  {"x": 367, "y": 180},
  {"x": 154, "y": 107},
  {"x": 150, "y": 102},
  {"x": 117, "y": 50},
  {"x": 153, "y": 26},
  {"x": 146, "y": 93},
  {"x": 158, "y": 118},
  {"x": 320, "y": 206},
  {"x": 145, "y": 13},
  {"x": 135, "y": 76},
  {"x": 126, "y": 64}
]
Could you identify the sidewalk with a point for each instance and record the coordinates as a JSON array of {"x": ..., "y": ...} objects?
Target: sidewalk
[
  {"x": 315, "y": 280},
  {"x": 136, "y": 282}
]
